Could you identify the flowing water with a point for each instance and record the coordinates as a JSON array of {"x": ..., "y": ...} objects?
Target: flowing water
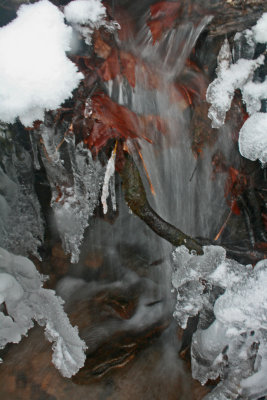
[{"x": 120, "y": 288}]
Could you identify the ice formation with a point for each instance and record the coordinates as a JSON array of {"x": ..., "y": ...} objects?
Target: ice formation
[
  {"x": 236, "y": 71},
  {"x": 21, "y": 223},
  {"x": 43, "y": 77},
  {"x": 109, "y": 181},
  {"x": 25, "y": 301},
  {"x": 221, "y": 91},
  {"x": 75, "y": 180},
  {"x": 253, "y": 93},
  {"x": 231, "y": 338},
  {"x": 253, "y": 138}
]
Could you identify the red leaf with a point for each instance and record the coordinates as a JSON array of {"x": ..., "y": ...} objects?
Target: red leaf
[
  {"x": 163, "y": 16},
  {"x": 112, "y": 120},
  {"x": 164, "y": 8},
  {"x": 128, "y": 64},
  {"x": 101, "y": 48},
  {"x": 235, "y": 185},
  {"x": 114, "y": 115},
  {"x": 264, "y": 219},
  {"x": 234, "y": 207},
  {"x": 99, "y": 136},
  {"x": 111, "y": 67}
]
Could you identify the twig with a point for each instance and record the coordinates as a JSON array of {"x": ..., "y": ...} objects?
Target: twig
[{"x": 135, "y": 197}]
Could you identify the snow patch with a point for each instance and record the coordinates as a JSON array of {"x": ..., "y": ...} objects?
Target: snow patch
[
  {"x": 253, "y": 138},
  {"x": 84, "y": 11},
  {"x": 260, "y": 29},
  {"x": 35, "y": 73}
]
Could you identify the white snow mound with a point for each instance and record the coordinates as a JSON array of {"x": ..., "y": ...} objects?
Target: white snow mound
[
  {"x": 260, "y": 29},
  {"x": 253, "y": 138},
  {"x": 35, "y": 73},
  {"x": 84, "y": 11}
]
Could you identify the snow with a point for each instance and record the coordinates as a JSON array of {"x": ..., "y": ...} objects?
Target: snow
[
  {"x": 221, "y": 91},
  {"x": 25, "y": 301},
  {"x": 86, "y": 15},
  {"x": 35, "y": 73},
  {"x": 253, "y": 138},
  {"x": 239, "y": 74},
  {"x": 231, "y": 337},
  {"x": 260, "y": 29},
  {"x": 253, "y": 93},
  {"x": 84, "y": 11}
]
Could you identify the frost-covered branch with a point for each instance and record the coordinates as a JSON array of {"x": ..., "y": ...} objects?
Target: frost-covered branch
[{"x": 27, "y": 301}]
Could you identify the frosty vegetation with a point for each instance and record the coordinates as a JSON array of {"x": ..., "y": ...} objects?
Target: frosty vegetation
[
  {"x": 231, "y": 339},
  {"x": 236, "y": 71},
  {"x": 42, "y": 80},
  {"x": 26, "y": 301}
]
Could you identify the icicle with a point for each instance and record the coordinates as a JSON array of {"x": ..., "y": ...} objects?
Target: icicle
[
  {"x": 75, "y": 180},
  {"x": 112, "y": 190},
  {"x": 34, "y": 150},
  {"x": 109, "y": 173}
]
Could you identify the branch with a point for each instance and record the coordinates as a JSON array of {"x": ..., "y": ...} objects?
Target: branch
[{"x": 136, "y": 199}]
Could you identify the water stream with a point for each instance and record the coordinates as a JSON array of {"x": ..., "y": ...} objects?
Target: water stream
[{"x": 118, "y": 287}]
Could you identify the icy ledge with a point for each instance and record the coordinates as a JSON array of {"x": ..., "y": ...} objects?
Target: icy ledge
[
  {"x": 240, "y": 70},
  {"x": 231, "y": 338},
  {"x": 25, "y": 300}
]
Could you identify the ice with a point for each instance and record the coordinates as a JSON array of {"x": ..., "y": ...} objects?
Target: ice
[
  {"x": 253, "y": 93},
  {"x": 44, "y": 77},
  {"x": 25, "y": 301},
  {"x": 231, "y": 338},
  {"x": 253, "y": 138},
  {"x": 75, "y": 180},
  {"x": 21, "y": 227},
  {"x": 244, "y": 45},
  {"x": 68, "y": 348},
  {"x": 239, "y": 74},
  {"x": 230, "y": 77},
  {"x": 110, "y": 170},
  {"x": 260, "y": 29}
]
